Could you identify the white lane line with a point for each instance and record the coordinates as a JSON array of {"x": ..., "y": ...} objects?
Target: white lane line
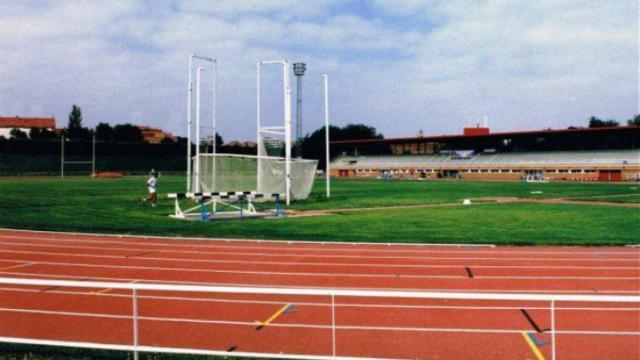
[
  {"x": 327, "y": 304},
  {"x": 599, "y": 251},
  {"x": 272, "y": 255},
  {"x": 247, "y": 241},
  {"x": 327, "y": 264},
  {"x": 308, "y": 326},
  {"x": 505, "y": 291},
  {"x": 332, "y": 275},
  {"x": 17, "y": 266}
]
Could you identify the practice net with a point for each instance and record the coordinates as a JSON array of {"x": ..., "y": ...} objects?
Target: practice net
[{"x": 264, "y": 174}]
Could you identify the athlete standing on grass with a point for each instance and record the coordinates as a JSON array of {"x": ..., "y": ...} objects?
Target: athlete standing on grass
[{"x": 152, "y": 184}]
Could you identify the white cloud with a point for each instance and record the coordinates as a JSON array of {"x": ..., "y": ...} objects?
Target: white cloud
[{"x": 526, "y": 64}]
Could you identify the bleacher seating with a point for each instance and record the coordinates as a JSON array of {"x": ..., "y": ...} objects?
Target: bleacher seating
[{"x": 608, "y": 157}]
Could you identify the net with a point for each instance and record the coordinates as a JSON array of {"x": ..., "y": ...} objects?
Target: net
[
  {"x": 316, "y": 323},
  {"x": 264, "y": 174}
]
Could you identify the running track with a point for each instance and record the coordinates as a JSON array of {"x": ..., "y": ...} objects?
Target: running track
[{"x": 365, "y": 327}]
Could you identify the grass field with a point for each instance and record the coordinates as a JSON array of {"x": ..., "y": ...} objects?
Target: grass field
[
  {"x": 632, "y": 198},
  {"x": 112, "y": 206}
]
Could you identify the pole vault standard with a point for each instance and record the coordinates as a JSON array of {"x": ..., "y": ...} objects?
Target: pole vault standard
[
  {"x": 284, "y": 130},
  {"x": 325, "y": 79},
  {"x": 213, "y": 65}
]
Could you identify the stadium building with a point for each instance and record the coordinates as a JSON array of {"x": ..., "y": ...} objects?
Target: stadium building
[{"x": 574, "y": 154}]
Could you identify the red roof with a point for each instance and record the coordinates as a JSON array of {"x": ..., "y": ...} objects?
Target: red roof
[
  {"x": 498, "y": 134},
  {"x": 28, "y": 122}
]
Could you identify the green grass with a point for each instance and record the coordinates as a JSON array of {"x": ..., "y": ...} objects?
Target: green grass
[
  {"x": 631, "y": 198},
  {"x": 371, "y": 193},
  {"x": 112, "y": 206}
]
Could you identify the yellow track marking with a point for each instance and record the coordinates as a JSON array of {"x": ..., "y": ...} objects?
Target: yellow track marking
[
  {"x": 533, "y": 346},
  {"x": 274, "y": 316},
  {"x": 101, "y": 291}
]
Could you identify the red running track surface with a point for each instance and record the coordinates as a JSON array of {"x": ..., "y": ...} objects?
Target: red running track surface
[{"x": 365, "y": 327}]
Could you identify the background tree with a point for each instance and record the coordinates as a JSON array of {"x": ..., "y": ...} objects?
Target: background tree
[
  {"x": 219, "y": 144},
  {"x": 127, "y": 133},
  {"x": 75, "y": 130},
  {"x": 18, "y": 134},
  {"x": 104, "y": 132},
  {"x": 313, "y": 146},
  {"x": 42, "y": 134},
  {"x": 635, "y": 121},
  {"x": 594, "y": 122}
]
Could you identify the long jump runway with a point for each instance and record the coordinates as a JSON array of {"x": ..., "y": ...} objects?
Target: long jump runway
[{"x": 315, "y": 325}]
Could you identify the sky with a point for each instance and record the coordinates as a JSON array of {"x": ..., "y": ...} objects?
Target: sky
[{"x": 398, "y": 65}]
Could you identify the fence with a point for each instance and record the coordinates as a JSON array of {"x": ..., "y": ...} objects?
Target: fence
[
  {"x": 326, "y": 323},
  {"x": 42, "y": 157}
]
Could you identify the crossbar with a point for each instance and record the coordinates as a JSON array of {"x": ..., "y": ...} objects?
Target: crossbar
[{"x": 224, "y": 195}]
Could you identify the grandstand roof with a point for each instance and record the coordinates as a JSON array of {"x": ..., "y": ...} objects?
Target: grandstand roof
[
  {"x": 498, "y": 135},
  {"x": 606, "y": 157}
]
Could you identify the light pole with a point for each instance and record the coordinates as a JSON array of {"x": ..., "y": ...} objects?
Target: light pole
[{"x": 298, "y": 71}]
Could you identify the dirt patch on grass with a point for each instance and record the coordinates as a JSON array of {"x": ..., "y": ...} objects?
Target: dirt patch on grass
[{"x": 499, "y": 200}]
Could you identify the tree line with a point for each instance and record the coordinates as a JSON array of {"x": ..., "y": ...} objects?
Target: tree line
[
  {"x": 75, "y": 131},
  {"x": 594, "y": 122}
]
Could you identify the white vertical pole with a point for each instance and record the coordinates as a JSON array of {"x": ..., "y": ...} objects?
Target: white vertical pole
[
  {"x": 258, "y": 121},
  {"x": 62, "y": 157},
  {"x": 553, "y": 330},
  {"x": 333, "y": 324},
  {"x": 135, "y": 323},
  {"x": 93, "y": 157},
  {"x": 214, "y": 122},
  {"x": 189, "y": 101},
  {"x": 326, "y": 132},
  {"x": 287, "y": 128},
  {"x": 197, "y": 164}
]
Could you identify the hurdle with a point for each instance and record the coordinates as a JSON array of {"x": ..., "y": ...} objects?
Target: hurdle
[{"x": 225, "y": 205}]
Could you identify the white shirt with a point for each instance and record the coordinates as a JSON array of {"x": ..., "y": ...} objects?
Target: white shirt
[{"x": 152, "y": 182}]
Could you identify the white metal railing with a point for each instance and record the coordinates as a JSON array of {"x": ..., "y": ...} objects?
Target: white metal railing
[{"x": 136, "y": 287}]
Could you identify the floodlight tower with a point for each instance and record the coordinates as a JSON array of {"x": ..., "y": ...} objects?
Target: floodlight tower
[{"x": 298, "y": 71}]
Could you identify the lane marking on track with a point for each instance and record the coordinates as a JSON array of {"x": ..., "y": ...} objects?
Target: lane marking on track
[
  {"x": 280, "y": 242},
  {"x": 139, "y": 254},
  {"x": 160, "y": 281},
  {"x": 103, "y": 291},
  {"x": 312, "y": 255},
  {"x": 532, "y": 322},
  {"x": 345, "y": 305},
  {"x": 296, "y": 251},
  {"x": 469, "y": 273},
  {"x": 317, "y": 326},
  {"x": 331, "y": 274},
  {"x": 325, "y": 264},
  {"x": 53, "y": 235},
  {"x": 538, "y": 342},
  {"x": 320, "y": 274},
  {"x": 16, "y": 266},
  {"x": 246, "y": 241},
  {"x": 272, "y": 318},
  {"x": 533, "y": 346}
]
